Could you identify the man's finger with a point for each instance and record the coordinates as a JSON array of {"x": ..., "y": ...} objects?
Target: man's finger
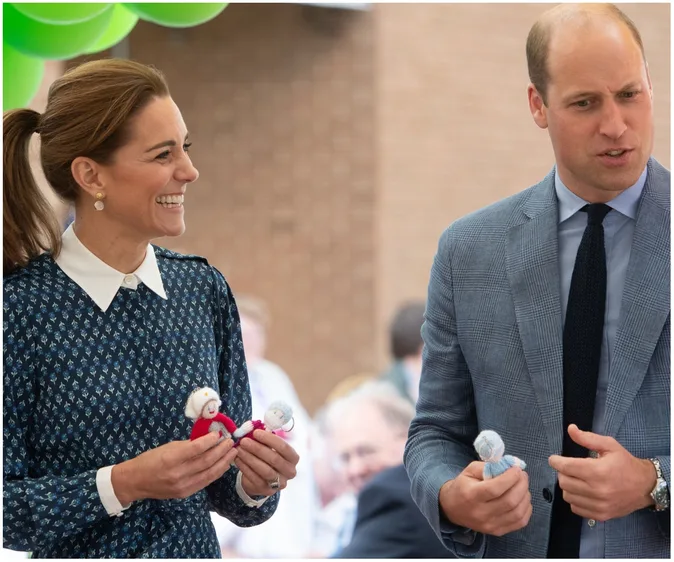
[
  {"x": 575, "y": 486},
  {"x": 582, "y": 469},
  {"x": 497, "y": 487},
  {"x": 593, "y": 441},
  {"x": 579, "y": 501},
  {"x": 475, "y": 470}
]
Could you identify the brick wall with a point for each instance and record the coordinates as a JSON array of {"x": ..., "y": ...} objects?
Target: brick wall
[{"x": 335, "y": 146}]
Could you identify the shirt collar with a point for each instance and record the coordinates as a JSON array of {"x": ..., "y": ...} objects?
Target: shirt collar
[
  {"x": 96, "y": 278},
  {"x": 626, "y": 203}
]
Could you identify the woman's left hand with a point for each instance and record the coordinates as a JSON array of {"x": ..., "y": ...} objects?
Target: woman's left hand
[{"x": 266, "y": 463}]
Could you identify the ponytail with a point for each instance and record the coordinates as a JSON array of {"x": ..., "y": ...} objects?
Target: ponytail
[{"x": 29, "y": 224}]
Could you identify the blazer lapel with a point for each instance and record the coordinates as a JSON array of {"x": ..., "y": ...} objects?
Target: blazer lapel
[
  {"x": 645, "y": 303},
  {"x": 532, "y": 265}
]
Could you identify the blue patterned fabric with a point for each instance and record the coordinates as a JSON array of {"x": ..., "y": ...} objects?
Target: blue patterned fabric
[{"x": 85, "y": 389}]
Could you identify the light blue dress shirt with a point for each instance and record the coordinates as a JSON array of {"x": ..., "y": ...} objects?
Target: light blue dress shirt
[{"x": 618, "y": 231}]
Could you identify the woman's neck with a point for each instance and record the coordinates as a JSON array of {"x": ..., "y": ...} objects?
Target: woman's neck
[{"x": 109, "y": 245}]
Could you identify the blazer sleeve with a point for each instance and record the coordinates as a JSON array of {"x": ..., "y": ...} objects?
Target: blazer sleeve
[
  {"x": 440, "y": 437},
  {"x": 235, "y": 395},
  {"x": 36, "y": 511}
]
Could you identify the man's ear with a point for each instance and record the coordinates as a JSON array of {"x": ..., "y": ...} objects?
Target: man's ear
[{"x": 537, "y": 107}]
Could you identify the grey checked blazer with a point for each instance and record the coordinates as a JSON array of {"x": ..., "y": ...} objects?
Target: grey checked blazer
[{"x": 493, "y": 360}]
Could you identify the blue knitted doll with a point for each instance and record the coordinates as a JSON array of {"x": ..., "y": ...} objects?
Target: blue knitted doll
[{"x": 490, "y": 447}]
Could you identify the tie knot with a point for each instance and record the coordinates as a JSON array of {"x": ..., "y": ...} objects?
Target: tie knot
[{"x": 596, "y": 212}]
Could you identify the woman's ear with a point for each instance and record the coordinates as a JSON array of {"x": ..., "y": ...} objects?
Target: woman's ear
[{"x": 87, "y": 174}]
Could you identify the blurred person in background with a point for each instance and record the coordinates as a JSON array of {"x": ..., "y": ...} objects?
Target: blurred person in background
[
  {"x": 106, "y": 336},
  {"x": 406, "y": 346},
  {"x": 336, "y": 500},
  {"x": 367, "y": 430},
  {"x": 289, "y": 533}
]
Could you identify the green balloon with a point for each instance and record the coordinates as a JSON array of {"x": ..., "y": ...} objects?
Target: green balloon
[
  {"x": 58, "y": 13},
  {"x": 21, "y": 78},
  {"x": 121, "y": 24},
  {"x": 185, "y": 14},
  {"x": 55, "y": 42}
]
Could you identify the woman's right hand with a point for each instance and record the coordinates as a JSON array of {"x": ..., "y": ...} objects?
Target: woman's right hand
[{"x": 175, "y": 470}]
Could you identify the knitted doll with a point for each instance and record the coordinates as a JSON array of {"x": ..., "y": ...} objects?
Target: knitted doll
[
  {"x": 490, "y": 447},
  {"x": 203, "y": 407},
  {"x": 277, "y": 415}
]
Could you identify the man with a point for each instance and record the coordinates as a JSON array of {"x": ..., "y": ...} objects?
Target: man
[
  {"x": 406, "y": 345},
  {"x": 389, "y": 524},
  {"x": 546, "y": 315},
  {"x": 367, "y": 431}
]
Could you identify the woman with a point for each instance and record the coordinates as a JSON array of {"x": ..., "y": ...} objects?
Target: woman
[{"x": 105, "y": 336}]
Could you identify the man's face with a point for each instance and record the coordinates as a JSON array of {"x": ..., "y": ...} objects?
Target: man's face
[
  {"x": 599, "y": 110},
  {"x": 365, "y": 445}
]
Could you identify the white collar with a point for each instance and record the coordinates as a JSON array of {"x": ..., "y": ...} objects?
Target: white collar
[{"x": 100, "y": 281}]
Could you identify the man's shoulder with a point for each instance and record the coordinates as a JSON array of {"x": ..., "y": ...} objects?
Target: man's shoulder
[
  {"x": 490, "y": 223},
  {"x": 659, "y": 183},
  {"x": 503, "y": 212}
]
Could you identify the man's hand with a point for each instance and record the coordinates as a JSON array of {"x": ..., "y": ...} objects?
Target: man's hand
[
  {"x": 493, "y": 507},
  {"x": 607, "y": 487}
]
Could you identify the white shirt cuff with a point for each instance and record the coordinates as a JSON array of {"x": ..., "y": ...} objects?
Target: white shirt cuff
[
  {"x": 107, "y": 492},
  {"x": 250, "y": 502}
]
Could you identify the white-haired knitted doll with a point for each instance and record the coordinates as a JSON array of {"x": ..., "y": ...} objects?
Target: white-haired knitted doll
[
  {"x": 203, "y": 407},
  {"x": 277, "y": 415},
  {"x": 490, "y": 447}
]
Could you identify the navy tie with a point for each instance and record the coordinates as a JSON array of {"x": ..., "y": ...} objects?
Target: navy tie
[{"x": 583, "y": 335}]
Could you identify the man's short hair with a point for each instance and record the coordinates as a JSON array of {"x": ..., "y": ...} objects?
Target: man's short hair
[{"x": 538, "y": 43}]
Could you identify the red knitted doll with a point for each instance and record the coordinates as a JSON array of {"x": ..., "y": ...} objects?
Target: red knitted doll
[{"x": 203, "y": 406}]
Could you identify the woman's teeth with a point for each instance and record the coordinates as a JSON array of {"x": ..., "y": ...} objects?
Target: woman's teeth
[{"x": 170, "y": 201}]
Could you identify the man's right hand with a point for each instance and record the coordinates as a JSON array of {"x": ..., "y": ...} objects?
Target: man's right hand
[
  {"x": 494, "y": 507},
  {"x": 175, "y": 470}
]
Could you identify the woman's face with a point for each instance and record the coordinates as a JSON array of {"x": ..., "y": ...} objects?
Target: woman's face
[{"x": 146, "y": 183}]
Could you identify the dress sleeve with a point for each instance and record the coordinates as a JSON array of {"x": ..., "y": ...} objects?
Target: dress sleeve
[
  {"x": 38, "y": 509},
  {"x": 235, "y": 394}
]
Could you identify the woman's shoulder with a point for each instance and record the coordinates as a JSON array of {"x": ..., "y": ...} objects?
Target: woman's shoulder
[
  {"x": 175, "y": 264},
  {"x": 38, "y": 277}
]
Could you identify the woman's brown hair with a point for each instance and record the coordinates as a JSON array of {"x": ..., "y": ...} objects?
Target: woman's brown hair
[{"x": 88, "y": 114}]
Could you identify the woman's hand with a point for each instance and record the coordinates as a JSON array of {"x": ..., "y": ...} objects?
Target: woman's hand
[
  {"x": 263, "y": 460},
  {"x": 175, "y": 470}
]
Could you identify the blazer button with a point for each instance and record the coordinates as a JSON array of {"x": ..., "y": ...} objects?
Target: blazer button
[{"x": 547, "y": 495}]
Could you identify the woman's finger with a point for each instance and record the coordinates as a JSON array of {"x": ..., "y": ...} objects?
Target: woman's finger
[
  {"x": 267, "y": 472},
  {"x": 279, "y": 445},
  {"x": 269, "y": 456},
  {"x": 260, "y": 484}
]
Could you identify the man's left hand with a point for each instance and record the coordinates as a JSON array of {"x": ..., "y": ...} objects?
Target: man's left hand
[{"x": 607, "y": 487}]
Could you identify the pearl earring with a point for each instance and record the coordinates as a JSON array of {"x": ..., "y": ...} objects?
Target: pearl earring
[{"x": 99, "y": 205}]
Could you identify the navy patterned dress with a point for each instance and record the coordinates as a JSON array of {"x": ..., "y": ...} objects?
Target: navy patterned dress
[{"x": 84, "y": 389}]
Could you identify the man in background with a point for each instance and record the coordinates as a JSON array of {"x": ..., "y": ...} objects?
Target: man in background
[{"x": 406, "y": 345}]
